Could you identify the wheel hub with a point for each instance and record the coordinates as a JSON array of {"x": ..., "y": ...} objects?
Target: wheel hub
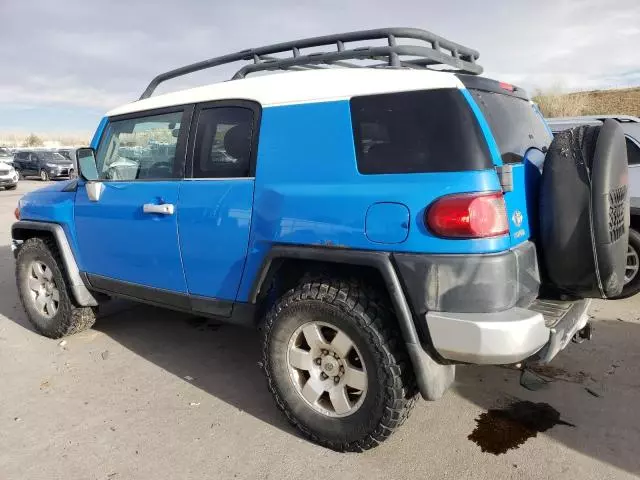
[
  {"x": 326, "y": 369},
  {"x": 330, "y": 365},
  {"x": 42, "y": 289},
  {"x": 633, "y": 265}
]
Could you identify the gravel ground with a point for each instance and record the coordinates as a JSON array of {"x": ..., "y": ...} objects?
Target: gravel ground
[{"x": 152, "y": 394}]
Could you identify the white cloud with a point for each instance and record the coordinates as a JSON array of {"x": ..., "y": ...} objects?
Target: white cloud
[{"x": 96, "y": 54}]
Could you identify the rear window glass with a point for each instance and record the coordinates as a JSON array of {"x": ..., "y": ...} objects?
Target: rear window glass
[
  {"x": 515, "y": 123},
  {"x": 416, "y": 132}
]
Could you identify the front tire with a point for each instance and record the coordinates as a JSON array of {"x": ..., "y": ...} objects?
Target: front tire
[
  {"x": 44, "y": 293},
  {"x": 44, "y": 176},
  {"x": 336, "y": 365},
  {"x": 11, "y": 187}
]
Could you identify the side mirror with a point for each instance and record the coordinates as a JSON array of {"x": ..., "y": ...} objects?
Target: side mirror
[
  {"x": 88, "y": 170},
  {"x": 87, "y": 164}
]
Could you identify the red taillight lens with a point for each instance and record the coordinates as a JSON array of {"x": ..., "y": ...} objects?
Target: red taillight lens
[
  {"x": 469, "y": 216},
  {"x": 16, "y": 213},
  {"x": 506, "y": 86}
]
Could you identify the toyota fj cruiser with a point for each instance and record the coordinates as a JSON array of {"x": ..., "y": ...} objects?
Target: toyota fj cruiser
[{"x": 380, "y": 224}]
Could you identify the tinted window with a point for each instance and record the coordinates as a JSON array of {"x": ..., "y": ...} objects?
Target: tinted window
[
  {"x": 515, "y": 123},
  {"x": 51, "y": 157},
  {"x": 413, "y": 132},
  {"x": 633, "y": 152},
  {"x": 4, "y": 152},
  {"x": 142, "y": 148},
  {"x": 223, "y": 143}
]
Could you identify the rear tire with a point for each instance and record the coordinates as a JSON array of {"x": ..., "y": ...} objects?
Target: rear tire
[
  {"x": 11, "y": 187},
  {"x": 632, "y": 286},
  {"x": 44, "y": 294},
  {"x": 381, "y": 397}
]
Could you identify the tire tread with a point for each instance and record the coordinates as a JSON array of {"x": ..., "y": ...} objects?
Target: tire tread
[{"x": 369, "y": 308}]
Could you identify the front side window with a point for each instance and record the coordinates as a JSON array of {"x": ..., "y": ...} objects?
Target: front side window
[
  {"x": 224, "y": 142},
  {"x": 142, "y": 148}
]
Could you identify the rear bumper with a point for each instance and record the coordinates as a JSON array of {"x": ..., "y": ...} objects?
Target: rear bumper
[
  {"x": 474, "y": 283},
  {"x": 511, "y": 336}
]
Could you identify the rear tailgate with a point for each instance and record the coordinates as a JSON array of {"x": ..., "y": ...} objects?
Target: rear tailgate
[{"x": 521, "y": 137}]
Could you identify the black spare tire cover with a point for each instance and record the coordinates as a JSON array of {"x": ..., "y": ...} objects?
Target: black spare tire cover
[{"x": 584, "y": 211}]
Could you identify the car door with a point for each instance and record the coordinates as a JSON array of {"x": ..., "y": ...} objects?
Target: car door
[
  {"x": 19, "y": 162},
  {"x": 128, "y": 237},
  {"x": 216, "y": 199},
  {"x": 32, "y": 164}
]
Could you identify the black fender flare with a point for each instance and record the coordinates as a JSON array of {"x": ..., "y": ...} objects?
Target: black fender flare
[
  {"x": 433, "y": 378},
  {"x": 23, "y": 229}
]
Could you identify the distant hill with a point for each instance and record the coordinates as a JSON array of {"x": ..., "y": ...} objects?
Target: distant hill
[{"x": 624, "y": 101}]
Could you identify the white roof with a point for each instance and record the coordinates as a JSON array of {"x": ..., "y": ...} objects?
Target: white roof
[{"x": 307, "y": 86}]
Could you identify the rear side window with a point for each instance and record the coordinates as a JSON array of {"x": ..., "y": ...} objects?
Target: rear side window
[
  {"x": 515, "y": 124},
  {"x": 417, "y": 132},
  {"x": 224, "y": 143},
  {"x": 633, "y": 152}
]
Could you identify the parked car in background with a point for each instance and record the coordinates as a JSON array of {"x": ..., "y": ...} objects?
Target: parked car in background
[
  {"x": 631, "y": 128},
  {"x": 46, "y": 165},
  {"x": 70, "y": 154},
  {"x": 8, "y": 175},
  {"x": 6, "y": 155}
]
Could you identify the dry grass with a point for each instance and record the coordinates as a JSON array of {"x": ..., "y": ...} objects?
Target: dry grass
[
  {"x": 625, "y": 101},
  {"x": 17, "y": 139}
]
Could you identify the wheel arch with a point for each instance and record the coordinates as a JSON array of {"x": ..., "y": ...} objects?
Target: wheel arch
[
  {"x": 433, "y": 377},
  {"x": 25, "y": 229}
]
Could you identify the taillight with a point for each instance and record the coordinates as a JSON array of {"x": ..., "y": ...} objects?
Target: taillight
[
  {"x": 16, "y": 213},
  {"x": 506, "y": 86},
  {"x": 476, "y": 215}
]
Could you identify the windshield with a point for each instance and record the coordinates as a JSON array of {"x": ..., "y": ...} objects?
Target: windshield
[
  {"x": 516, "y": 124},
  {"x": 4, "y": 152}
]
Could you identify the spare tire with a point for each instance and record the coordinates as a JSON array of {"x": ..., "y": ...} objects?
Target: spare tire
[{"x": 584, "y": 211}]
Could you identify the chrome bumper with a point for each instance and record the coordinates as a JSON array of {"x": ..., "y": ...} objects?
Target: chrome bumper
[{"x": 506, "y": 337}]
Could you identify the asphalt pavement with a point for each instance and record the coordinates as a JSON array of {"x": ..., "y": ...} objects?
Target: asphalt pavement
[{"x": 152, "y": 394}]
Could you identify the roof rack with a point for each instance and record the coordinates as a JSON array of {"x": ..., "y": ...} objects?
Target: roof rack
[{"x": 438, "y": 51}]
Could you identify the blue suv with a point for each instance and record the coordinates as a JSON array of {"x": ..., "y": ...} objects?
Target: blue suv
[{"x": 380, "y": 224}]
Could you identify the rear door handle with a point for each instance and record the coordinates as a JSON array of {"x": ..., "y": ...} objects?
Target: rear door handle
[{"x": 162, "y": 209}]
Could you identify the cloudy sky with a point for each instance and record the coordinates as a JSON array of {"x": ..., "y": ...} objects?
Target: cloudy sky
[{"x": 64, "y": 62}]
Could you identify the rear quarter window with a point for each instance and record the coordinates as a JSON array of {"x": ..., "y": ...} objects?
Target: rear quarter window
[{"x": 417, "y": 132}]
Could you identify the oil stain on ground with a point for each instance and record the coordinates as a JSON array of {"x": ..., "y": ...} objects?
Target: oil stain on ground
[{"x": 500, "y": 430}]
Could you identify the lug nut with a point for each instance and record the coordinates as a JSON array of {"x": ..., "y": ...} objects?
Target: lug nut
[
  {"x": 323, "y": 376},
  {"x": 336, "y": 379},
  {"x": 335, "y": 355},
  {"x": 318, "y": 361},
  {"x": 324, "y": 352}
]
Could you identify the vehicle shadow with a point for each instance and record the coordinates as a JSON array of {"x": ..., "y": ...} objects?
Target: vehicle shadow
[{"x": 223, "y": 360}]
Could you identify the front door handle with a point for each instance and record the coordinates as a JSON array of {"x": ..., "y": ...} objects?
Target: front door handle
[{"x": 162, "y": 209}]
